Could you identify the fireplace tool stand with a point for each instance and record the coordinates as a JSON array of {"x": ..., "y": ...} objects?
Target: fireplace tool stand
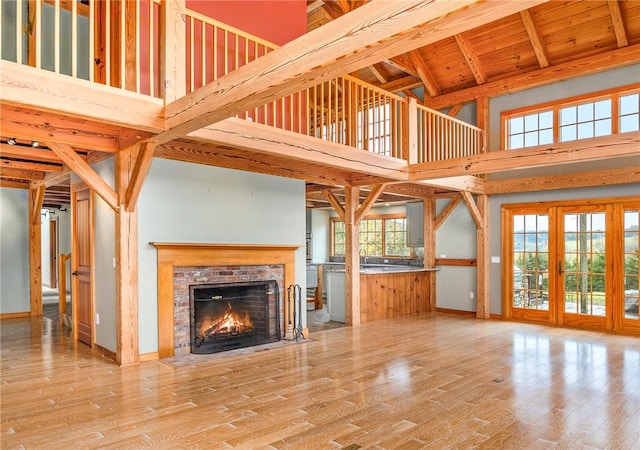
[{"x": 294, "y": 294}]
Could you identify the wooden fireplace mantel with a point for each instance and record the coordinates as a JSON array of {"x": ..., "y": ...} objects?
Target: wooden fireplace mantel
[{"x": 178, "y": 254}]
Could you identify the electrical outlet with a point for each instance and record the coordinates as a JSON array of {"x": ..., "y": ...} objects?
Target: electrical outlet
[
  {"x": 471, "y": 295},
  {"x": 97, "y": 318}
]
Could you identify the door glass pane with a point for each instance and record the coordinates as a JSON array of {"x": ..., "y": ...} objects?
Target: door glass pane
[
  {"x": 584, "y": 263},
  {"x": 531, "y": 261},
  {"x": 631, "y": 271}
]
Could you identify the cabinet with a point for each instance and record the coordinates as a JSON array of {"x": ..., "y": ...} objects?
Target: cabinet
[{"x": 415, "y": 224}]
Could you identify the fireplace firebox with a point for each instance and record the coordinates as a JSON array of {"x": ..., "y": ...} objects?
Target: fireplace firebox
[{"x": 227, "y": 316}]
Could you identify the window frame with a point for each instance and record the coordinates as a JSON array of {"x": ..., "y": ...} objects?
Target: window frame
[
  {"x": 383, "y": 218},
  {"x": 556, "y": 106}
]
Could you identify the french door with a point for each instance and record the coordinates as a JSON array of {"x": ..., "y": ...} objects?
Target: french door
[{"x": 573, "y": 264}]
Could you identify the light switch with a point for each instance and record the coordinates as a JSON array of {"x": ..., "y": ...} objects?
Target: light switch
[{"x": 495, "y": 260}]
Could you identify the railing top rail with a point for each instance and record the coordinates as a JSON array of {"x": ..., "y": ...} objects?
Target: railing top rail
[
  {"x": 208, "y": 20},
  {"x": 448, "y": 117}
]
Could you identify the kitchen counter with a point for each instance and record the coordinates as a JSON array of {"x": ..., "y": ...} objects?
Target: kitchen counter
[{"x": 385, "y": 291}]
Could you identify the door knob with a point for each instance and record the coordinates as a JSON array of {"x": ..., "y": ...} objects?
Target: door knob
[{"x": 75, "y": 274}]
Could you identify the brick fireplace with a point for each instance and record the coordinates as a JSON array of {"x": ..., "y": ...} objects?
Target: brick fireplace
[
  {"x": 174, "y": 257},
  {"x": 187, "y": 278}
]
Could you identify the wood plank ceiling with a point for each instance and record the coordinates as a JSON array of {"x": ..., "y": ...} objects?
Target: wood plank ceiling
[{"x": 558, "y": 39}]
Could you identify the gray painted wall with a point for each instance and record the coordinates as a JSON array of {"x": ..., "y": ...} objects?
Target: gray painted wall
[
  {"x": 14, "y": 251},
  {"x": 184, "y": 202},
  {"x": 456, "y": 237}
]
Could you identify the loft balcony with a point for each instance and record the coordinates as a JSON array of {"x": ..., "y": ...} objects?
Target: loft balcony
[
  {"x": 120, "y": 64},
  {"x": 101, "y": 76}
]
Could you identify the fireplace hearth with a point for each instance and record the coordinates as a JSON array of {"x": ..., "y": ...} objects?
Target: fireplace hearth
[{"x": 227, "y": 316}]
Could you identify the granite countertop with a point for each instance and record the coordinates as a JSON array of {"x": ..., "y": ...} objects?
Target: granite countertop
[{"x": 385, "y": 268}]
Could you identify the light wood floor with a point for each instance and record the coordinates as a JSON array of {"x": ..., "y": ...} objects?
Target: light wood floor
[{"x": 436, "y": 381}]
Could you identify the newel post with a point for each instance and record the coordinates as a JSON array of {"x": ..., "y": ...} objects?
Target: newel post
[
  {"x": 173, "y": 35},
  {"x": 410, "y": 130}
]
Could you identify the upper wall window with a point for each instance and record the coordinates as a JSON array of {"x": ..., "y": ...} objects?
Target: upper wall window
[{"x": 598, "y": 114}]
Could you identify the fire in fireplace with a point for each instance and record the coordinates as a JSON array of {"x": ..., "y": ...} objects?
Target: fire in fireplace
[{"x": 227, "y": 316}]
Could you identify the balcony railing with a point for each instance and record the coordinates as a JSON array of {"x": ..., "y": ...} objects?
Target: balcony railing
[
  {"x": 121, "y": 44},
  {"x": 109, "y": 42}
]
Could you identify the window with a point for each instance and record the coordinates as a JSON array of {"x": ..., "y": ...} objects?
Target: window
[
  {"x": 374, "y": 134},
  {"x": 598, "y": 114},
  {"x": 380, "y": 236}
]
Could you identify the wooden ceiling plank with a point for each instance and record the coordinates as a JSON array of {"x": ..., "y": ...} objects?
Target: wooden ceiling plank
[
  {"x": 27, "y": 165},
  {"x": 346, "y": 44},
  {"x": 612, "y": 177},
  {"x": 86, "y": 173},
  {"x": 471, "y": 57},
  {"x": 369, "y": 202},
  {"x": 334, "y": 202},
  {"x": 446, "y": 212},
  {"x": 424, "y": 73},
  {"x": 139, "y": 174},
  {"x": 536, "y": 38},
  {"x": 618, "y": 23},
  {"x": 594, "y": 149},
  {"x": 261, "y": 138},
  {"x": 593, "y": 64}
]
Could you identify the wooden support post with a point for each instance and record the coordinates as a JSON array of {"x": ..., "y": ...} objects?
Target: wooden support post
[
  {"x": 429, "y": 211},
  {"x": 410, "y": 132},
  {"x": 172, "y": 42},
  {"x": 352, "y": 256},
  {"x": 483, "y": 297},
  {"x": 127, "y": 346},
  {"x": 36, "y": 198}
]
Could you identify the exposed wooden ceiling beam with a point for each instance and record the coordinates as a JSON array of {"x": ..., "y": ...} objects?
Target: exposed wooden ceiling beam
[
  {"x": 22, "y": 174},
  {"x": 446, "y": 212},
  {"x": 28, "y": 153},
  {"x": 471, "y": 57},
  {"x": 461, "y": 183},
  {"x": 612, "y": 177},
  {"x": 28, "y": 165},
  {"x": 86, "y": 173},
  {"x": 334, "y": 202},
  {"x": 346, "y": 44},
  {"x": 378, "y": 72},
  {"x": 401, "y": 84},
  {"x": 455, "y": 109},
  {"x": 139, "y": 173},
  {"x": 34, "y": 125},
  {"x": 261, "y": 138},
  {"x": 618, "y": 23},
  {"x": 15, "y": 184},
  {"x": 77, "y": 98},
  {"x": 607, "y": 147},
  {"x": 424, "y": 73},
  {"x": 593, "y": 64},
  {"x": 403, "y": 63},
  {"x": 536, "y": 38},
  {"x": 476, "y": 215}
]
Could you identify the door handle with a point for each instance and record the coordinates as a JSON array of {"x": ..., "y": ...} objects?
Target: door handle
[
  {"x": 560, "y": 271},
  {"x": 75, "y": 274}
]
